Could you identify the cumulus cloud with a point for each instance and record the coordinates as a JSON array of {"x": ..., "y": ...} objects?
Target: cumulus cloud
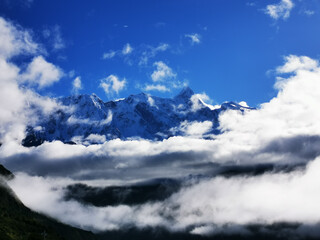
[
  {"x": 194, "y": 129},
  {"x": 41, "y": 73},
  {"x": 291, "y": 113},
  {"x": 76, "y": 85},
  {"x": 295, "y": 63},
  {"x": 16, "y": 101},
  {"x": 163, "y": 79},
  {"x": 280, "y": 10},
  {"x": 162, "y": 72},
  {"x": 96, "y": 138},
  {"x": 112, "y": 84},
  {"x": 195, "y": 38}
]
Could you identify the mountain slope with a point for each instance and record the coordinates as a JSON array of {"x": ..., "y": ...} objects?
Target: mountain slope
[{"x": 19, "y": 222}]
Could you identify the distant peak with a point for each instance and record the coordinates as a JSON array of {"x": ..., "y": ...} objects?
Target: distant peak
[
  {"x": 186, "y": 92},
  {"x": 94, "y": 96}
]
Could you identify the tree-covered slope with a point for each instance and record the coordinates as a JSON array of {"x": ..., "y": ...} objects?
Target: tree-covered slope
[{"x": 17, "y": 222}]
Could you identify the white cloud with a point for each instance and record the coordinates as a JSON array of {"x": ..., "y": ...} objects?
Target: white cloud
[
  {"x": 198, "y": 101},
  {"x": 112, "y": 84},
  {"x": 76, "y": 85},
  {"x": 14, "y": 40},
  {"x": 54, "y": 35},
  {"x": 156, "y": 87},
  {"x": 296, "y": 63},
  {"x": 280, "y": 10},
  {"x": 309, "y": 12},
  {"x": 161, "y": 47},
  {"x": 204, "y": 207},
  {"x": 163, "y": 78},
  {"x": 251, "y": 4},
  {"x": 41, "y": 73},
  {"x": 58, "y": 42},
  {"x": 109, "y": 54},
  {"x": 71, "y": 73},
  {"x": 289, "y": 114},
  {"x": 243, "y": 103},
  {"x": 16, "y": 102},
  {"x": 96, "y": 138},
  {"x": 151, "y": 101},
  {"x": 127, "y": 49},
  {"x": 194, "y": 129},
  {"x": 143, "y": 53},
  {"x": 195, "y": 38},
  {"x": 151, "y": 52},
  {"x": 162, "y": 73}
]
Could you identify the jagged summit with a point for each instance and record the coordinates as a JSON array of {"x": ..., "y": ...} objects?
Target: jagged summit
[
  {"x": 185, "y": 94},
  {"x": 87, "y": 119}
]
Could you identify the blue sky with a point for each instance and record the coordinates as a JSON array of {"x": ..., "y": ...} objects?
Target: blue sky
[{"x": 225, "y": 48}]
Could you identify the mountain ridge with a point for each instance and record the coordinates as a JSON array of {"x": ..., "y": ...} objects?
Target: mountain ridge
[{"x": 86, "y": 119}]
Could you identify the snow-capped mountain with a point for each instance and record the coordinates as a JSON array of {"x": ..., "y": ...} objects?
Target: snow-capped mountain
[{"x": 87, "y": 119}]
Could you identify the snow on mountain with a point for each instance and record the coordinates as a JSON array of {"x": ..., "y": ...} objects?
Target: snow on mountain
[{"x": 86, "y": 119}]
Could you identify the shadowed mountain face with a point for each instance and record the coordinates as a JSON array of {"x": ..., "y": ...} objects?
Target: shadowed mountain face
[
  {"x": 157, "y": 190},
  {"x": 5, "y": 173},
  {"x": 84, "y": 117},
  {"x": 19, "y": 222}
]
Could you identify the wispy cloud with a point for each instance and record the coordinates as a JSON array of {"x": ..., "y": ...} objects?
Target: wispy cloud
[
  {"x": 54, "y": 36},
  {"x": 109, "y": 55},
  {"x": 195, "y": 38},
  {"x": 151, "y": 52},
  {"x": 309, "y": 12},
  {"x": 280, "y": 10},
  {"x": 15, "y": 41},
  {"x": 142, "y": 54},
  {"x": 76, "y": 85},
  {"x": 156, "y": 87},
  {"x": 127, "y": 49}
]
